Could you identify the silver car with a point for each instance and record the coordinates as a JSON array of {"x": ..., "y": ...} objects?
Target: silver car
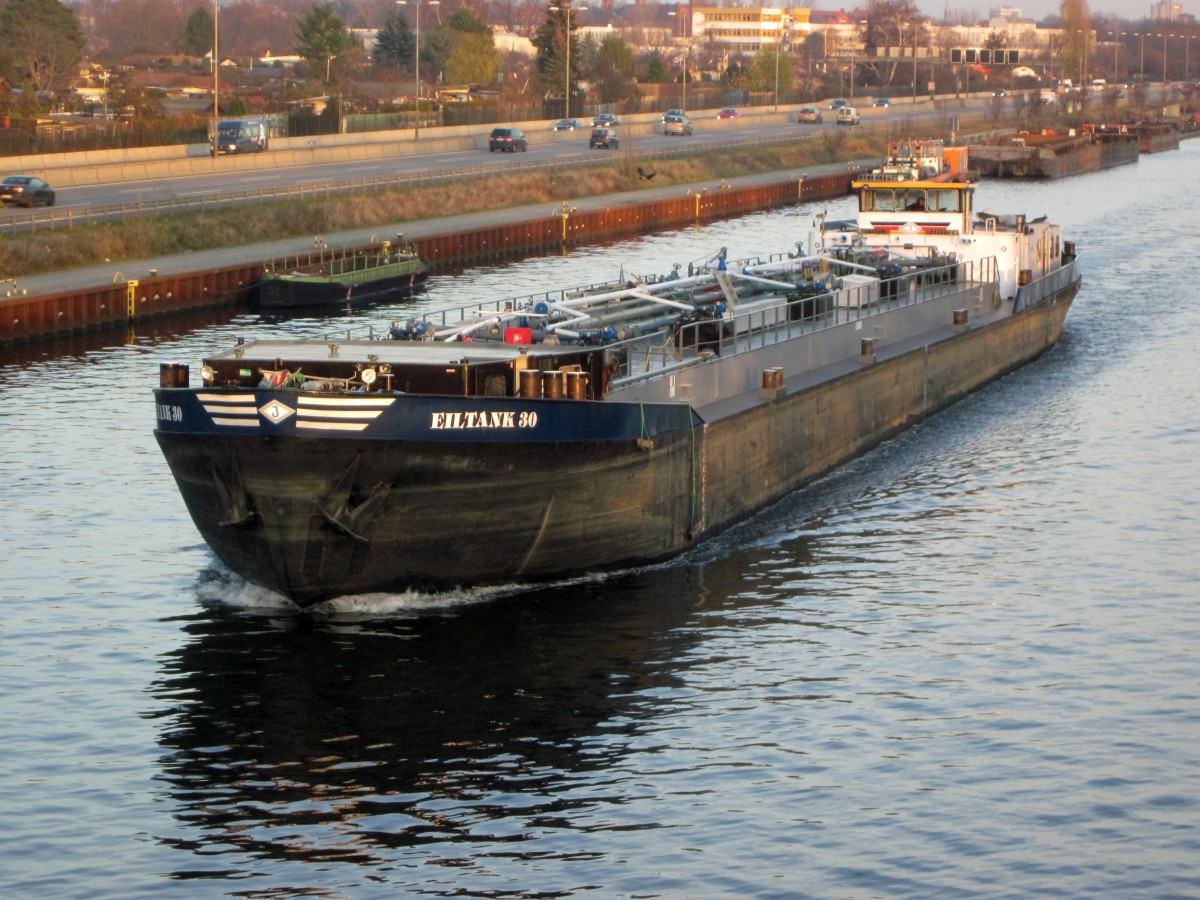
[{"x": 677, "y": 124}]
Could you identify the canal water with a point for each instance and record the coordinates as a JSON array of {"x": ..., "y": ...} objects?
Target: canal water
[{"x": 966, "y": 664}]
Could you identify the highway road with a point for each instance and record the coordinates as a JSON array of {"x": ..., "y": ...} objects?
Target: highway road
[{"x": 544, "y": 147}]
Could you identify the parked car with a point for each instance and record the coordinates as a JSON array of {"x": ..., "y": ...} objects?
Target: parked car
[
  {"x": 567, "y": 125},
  {"x": 26, "y": 190},
  {"x": 510, "y": 139},
  {"x": 604, "y": 137},
  {"x": 728, "y": 113},
  {"x": 847, "y": 115},
  {"x": 605, "y": 120},
  {"x": 882, "y": 103},
  {"x": 810, "y": 114},
  {"x": 679, "y": 124},
  {"x": 838, "y": 103},
  {"x": 673, "y": 112}
]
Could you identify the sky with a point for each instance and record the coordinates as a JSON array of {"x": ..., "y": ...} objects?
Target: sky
[{"x": 1033, "y": 9}]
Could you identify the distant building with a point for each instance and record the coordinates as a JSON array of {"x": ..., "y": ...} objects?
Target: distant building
[
  {"x": 506, "y": 41},
  {"x": 750, "y": 28},
  {"x": 1166, "y": 11},
  {"x": 365, "y": 37}
]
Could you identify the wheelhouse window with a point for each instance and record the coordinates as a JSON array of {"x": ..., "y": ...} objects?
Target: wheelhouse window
[
  {"x": 945, "y": 200},
  {"x": 878, "y": 200}
]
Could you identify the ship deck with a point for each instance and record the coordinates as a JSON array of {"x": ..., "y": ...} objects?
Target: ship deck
[{"x": 716, "y": 365}]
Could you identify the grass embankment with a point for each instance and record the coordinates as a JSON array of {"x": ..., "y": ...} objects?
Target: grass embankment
[{"x": 158, "y": 234}]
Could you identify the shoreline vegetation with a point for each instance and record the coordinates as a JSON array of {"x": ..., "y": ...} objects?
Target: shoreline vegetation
[{"x": 159, "y": 234}]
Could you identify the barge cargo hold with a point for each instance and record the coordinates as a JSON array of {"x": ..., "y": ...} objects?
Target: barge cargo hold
[
  {"x": 609, "y": 425},
  {"x": 1052, "y": 155}
]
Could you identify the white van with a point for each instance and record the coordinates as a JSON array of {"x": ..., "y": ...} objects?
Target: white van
[{"x": 847, "y": 115}]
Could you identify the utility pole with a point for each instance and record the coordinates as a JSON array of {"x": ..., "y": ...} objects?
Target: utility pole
[{"x": 216, "y": 64}]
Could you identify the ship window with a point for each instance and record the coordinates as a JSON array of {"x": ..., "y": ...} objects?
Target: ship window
[
  {"x": 878, "y": 200},
  {"x": 912, "y": 200},
  {"x": 944, "y": 201}
]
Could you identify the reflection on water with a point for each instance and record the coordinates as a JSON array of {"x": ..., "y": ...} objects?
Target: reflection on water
[{"x": 349, "y": 740}]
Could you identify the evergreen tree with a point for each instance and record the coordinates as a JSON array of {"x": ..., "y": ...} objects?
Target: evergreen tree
[
  {"x": 321, "y": 36},
  {"x": 395, "y": 45},
  {"x": 198, "y": 33},
  {"x": 474, "y": 60},
  {"x": 656, "y": 72},
  {"x": 42, "y": 43},
  {"x": 761, "y": 75},
  {"x": 554, "y": 46},
  {"x": 613, "y": 71},
  {"x": 466, "y": 22}
]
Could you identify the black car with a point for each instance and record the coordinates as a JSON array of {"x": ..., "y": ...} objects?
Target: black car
[
  {"x": 26, "y": 190},
  {"x": 605, "y": 120},
  {"x": 604, "y": 137},
  {"x": 510, "y": 139}
]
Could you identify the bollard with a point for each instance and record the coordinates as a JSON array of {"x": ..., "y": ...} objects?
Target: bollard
[{"x": 866, "y": 354}]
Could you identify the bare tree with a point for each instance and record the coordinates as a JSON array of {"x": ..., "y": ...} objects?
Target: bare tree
[
  {"x": 891, "y": 23},
  {"x": 1077, "y": 36}
]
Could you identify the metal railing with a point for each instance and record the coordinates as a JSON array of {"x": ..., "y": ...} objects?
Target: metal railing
[
  {"x": 648, "y": 356},
  {"x": 1036, "y": 291}
]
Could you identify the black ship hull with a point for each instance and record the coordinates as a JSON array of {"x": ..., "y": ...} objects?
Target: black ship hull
[
  {"x": 315, "y": 517},
  {"x": 297, "y": 292},
  {"x": 433, "y": 492}
]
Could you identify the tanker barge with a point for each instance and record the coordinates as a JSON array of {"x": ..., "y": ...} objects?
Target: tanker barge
[{"x": 608, "y": 425}]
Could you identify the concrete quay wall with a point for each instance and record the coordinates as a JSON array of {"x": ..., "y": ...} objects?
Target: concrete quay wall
[{"x": 122, "y": 303}]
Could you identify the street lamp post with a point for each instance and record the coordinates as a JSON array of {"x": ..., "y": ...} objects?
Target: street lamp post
[
  {"x": 1165, "y": 58},
  {"x": 417, "y": 61},
  {"x": 1087, "y": 39},
  {"x": 914, "y": 53},
  {"x": 567, "y": 96},
  {"x": 862, "y": 23},
  {"x": 784, "y": 22}
]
